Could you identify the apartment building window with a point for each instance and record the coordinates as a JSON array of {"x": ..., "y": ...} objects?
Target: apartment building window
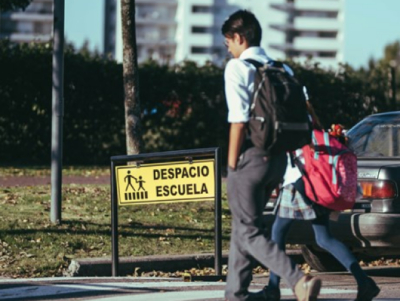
[
  {"x": 215, "y": 51},
  {"x": 44, "y": 8},
  {"x": 328, "y": 34},
  {"x": 316, "y": 34},
  {"x": 306, "y": 34},
  {"x": 201, "y": 29},
  {"x": 25, "y": 27},
  {"x": 149, "y": 11},
  {"x": 291, "y": 53},
  {"x": 47, "y": 8},
  {"x": 200, "y": 50},
  {"x": 42, "y": 28},
  {"x": 327, "y": 54},
  {"x": 317, "y": 14},
  {"x": 201, "y": 9},
  {"x": 166, "y": 33},
  {"x": 41, "y": 8},
  {"x": 220, "y": 51},
  {"x": 166, "y": 53},
  {"x": 32, "y": 8}
]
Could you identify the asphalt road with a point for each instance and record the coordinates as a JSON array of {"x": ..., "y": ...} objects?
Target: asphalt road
[{"x": 336, "y": 286}]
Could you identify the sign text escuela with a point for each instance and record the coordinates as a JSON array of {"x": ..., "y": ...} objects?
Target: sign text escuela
[{"x": 166, "y": 182}]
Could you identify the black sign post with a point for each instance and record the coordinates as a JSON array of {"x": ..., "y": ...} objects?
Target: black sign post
[{"x": 189, "y": 155}]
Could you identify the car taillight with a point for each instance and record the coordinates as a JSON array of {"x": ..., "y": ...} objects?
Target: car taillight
[{"x": 379, "y": 189}]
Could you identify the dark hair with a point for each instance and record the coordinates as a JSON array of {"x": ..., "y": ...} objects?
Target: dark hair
[{"x": 245, "y": 24}]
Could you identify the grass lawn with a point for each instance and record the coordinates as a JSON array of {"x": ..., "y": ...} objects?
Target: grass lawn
[{"x": 31, "y": 246}]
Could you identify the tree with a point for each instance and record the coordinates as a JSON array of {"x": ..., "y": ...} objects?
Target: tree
[
  {"x": 389, "y": 67},
  {"x": 392, "y": 53},
  {"x": 6, "y": 5},
  {"x": 133, "y": 126}
]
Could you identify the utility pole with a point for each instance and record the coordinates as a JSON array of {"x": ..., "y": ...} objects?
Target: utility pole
[
  {"x": 110, "y": 15},
  {"x": 57, "y": 111}
]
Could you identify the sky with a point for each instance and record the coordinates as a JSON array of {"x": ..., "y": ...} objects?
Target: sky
[{"x": 369, "y": 26}]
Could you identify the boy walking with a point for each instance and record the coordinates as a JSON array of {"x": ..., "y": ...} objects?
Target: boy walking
[{"x": 252, "y": 173}]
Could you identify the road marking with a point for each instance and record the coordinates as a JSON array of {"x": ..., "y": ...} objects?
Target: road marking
[
  {"x": 85, "y": 279},
  {"x": 202, "y": 295},
  {"x": 51, "y": 289}
]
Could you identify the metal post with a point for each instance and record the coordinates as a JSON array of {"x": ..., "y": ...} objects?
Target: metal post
[
  {"x": 57, "y": 111},
  {"x": 110, "y": 15},
  {"x": 218, "y": 214},
  {"x": 114, "y": 224}
]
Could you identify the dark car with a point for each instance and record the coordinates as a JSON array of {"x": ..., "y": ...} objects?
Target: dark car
[{"x": 372, "y": 228}]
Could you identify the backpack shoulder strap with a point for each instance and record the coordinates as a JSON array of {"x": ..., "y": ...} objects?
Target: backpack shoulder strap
[
  {"x": 255, "y": 63},
  {"x": 271, "y": 65},
  {"x": 302, "y": 168}
]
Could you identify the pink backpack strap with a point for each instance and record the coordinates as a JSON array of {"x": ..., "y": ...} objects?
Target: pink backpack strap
[{"x": 322, "y": 138}]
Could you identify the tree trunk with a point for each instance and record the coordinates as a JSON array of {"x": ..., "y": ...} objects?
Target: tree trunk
[{"x": 131, "y": 83}]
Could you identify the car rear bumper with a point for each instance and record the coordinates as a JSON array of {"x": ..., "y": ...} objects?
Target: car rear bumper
[{"x": 356, "y": 230}]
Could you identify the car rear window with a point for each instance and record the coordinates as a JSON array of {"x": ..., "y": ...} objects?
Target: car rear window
[{"x": 376, "y": 137}]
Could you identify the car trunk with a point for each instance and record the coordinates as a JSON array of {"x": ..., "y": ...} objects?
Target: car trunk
[{"x": 384, "y": 171}]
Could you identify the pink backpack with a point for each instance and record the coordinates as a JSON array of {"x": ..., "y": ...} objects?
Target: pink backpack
[{"x": 330, "y": 172}]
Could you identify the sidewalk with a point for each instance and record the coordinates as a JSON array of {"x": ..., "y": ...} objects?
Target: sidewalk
[
  {"x": 115, "y": 289},
  {"x": 91, "y": 281},
  {"x": 166, "y": 263}
]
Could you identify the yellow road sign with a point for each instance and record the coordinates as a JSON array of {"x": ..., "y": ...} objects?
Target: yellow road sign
[{"x": 166, "y": 182}]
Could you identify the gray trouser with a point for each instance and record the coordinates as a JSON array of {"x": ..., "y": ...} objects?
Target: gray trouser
[{"x": 249, "y": 188}]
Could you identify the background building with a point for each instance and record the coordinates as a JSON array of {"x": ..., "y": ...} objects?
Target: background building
[
  {"x": 306, "y": 28},
  {"x": 34, "y": 24},
  {"x": 157, "y": 32},
  {"x": 175, "y": 30}
]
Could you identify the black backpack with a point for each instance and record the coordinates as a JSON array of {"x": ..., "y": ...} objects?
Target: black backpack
[{"x": 278, "y": 113}]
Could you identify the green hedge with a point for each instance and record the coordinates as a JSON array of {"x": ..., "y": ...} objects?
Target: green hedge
[
  {"x": 93, "y": 107},
  {"x": 183, "y": 105},
  {"x": 344, "y": 96}
]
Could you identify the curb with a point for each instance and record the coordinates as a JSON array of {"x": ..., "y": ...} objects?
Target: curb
[{"x": 101, "y": 267}]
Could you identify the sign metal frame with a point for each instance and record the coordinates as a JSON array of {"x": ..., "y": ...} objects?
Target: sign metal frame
[{"x": 161, "y": 157}]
